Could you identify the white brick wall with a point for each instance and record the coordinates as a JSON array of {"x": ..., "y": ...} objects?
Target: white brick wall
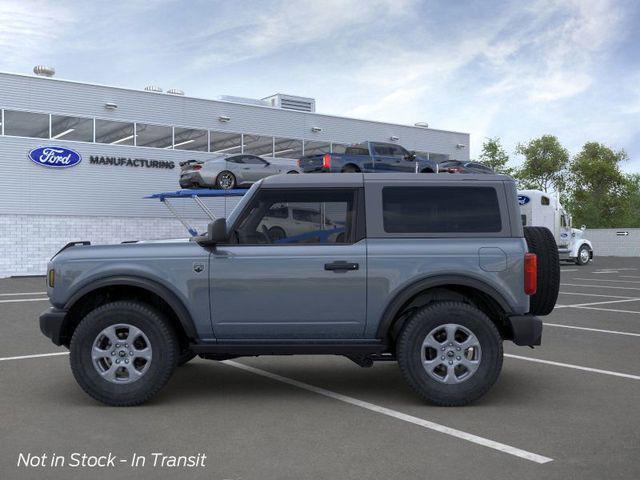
[
  {"x": 27, "y": 242},
  {"x": 607, "y": 243}
]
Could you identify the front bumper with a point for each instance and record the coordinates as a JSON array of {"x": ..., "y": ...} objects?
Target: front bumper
[
  {"x": 52, "y": 325},
  {"x": 526, "y": 329}
]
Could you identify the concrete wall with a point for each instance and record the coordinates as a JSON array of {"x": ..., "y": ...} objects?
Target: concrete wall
[{"x": 608, "y": 243}]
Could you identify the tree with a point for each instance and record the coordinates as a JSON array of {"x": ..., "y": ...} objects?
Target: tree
[
  {"x": 494, "y": 156},
  {"x": 600, "y": 194},
  {"x": 545, "y": 164}
]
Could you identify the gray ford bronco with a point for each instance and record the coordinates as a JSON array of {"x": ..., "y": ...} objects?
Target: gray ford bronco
[{"x": 432, "y": 271}]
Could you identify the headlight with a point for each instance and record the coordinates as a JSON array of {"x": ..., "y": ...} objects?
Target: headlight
[{"x": 51, "y": 277}]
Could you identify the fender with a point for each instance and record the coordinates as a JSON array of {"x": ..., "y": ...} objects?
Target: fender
[
  {"x": 576, "y": 246},
  {"x": 184, "y": 317},
  {"x": 402, "y": 297}
]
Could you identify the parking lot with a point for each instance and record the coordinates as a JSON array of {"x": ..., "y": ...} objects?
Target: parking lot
[{"x": 568, "y": 409}]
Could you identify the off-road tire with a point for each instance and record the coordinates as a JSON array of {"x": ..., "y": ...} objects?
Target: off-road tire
[
  {"x": 541, "y": 242},
  {"x": 579, "y": 257},
  {"x": 163, "y": 342},
  {"x": 185, "y": 356},
  {"x": 409, "y": 353}
]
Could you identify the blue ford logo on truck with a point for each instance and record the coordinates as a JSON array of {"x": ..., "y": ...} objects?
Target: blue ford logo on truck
[
  {"x": 55, "y": 157},
  {"x": 523, "y": 199}
]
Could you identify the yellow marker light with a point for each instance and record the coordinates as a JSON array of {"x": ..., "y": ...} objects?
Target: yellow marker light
[{"x": 51, "y": 277}]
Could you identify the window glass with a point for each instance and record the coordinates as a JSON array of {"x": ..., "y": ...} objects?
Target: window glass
[
  {"x": 157, "y": 136},
  {"x": 440, "y": 210},
  {"x": 115, "y": 133},
  {"x": 316, "y": 148},
  {"x": 258, "y": 145},
  {"x": 436, "y": 157},
  {"x": 389, "y": 150},
  {"x": 357, "y": 151},
  {"x": 338, "y": 148},
  {"x": 253, "y": 160},
  {"x": 236, "y": 159},
  {"x": 228, "y": 143},
  {"x": 71, "y": 128},
  {"x": 563, "y": 221},
  {"x": 316, "y": 217},
  {"x": 287, "y": 148},
  {"x": 524, "y": 220},
  {"x": 26, "y": 124},
  {"x": 544, "y": 200},
  {"x": 190, "y": 139}
]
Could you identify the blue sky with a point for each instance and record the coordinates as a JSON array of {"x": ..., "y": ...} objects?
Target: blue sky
[{"x": 515, "y": 69}]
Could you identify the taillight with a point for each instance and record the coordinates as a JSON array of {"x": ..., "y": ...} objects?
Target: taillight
[
  {"x": 454, "y": 170},
  {"x": 326, "y": 161},
  {"x": 530, "y": 273},
  {"x": 298, "y": 163}
]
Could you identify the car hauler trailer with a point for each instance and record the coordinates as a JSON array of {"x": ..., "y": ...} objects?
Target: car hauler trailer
[{"x": 540, "y": 209}]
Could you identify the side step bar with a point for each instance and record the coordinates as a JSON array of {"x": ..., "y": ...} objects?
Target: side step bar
[{"x": 308, "y": 347}]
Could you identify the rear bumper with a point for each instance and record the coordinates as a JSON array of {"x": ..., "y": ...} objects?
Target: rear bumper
[
  {"x": 52, "y": 324},
  {"x": 526, "y": 329}
]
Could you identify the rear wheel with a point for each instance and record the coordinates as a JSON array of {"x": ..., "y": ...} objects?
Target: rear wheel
[
  {"x": 541, "y": 242},
  {"x": 292, "y": 172},
  {"x": 350, "y": 169},
  {"x": 123, "y": 353},
  {"x": 450, "y": 353},
  {"x": 225, "y": 180},
  {"x": 276, "y": 234},
  {"x": 584, "y": 255}
]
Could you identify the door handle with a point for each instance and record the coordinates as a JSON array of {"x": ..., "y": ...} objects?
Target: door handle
[{"x": 341, "y": 266}]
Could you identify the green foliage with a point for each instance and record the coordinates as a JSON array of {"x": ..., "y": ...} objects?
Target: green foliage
[
  {"x": 494, "y": 156},
  {"x": 545, "y": 164},
  {"x": 600, "y": 194}
]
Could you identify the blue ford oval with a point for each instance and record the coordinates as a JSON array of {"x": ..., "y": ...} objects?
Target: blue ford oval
[
  {"x": 523, "y": 199},
  {"x": 55, "y": 157}
]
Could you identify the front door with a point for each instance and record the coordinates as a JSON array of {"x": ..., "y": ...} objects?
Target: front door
[{"x": 277, "y": 279}]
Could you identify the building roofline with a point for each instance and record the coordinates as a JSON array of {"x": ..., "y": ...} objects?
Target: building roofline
[{"x": 228, "y": 102}]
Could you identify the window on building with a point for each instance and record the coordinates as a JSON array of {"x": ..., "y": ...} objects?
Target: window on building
[
  {"x": 190, "y": 139},
  {"x": 257, "y": 145},
  {"x": 71, "y": 128},
  {"x": 115, "y": 133},
  {"x": 298, "y": 216},
  {"x": 227, "y": 143},
  {"x": 157, "y": 136},
  {"x": 440, "y": 210},
  {"x": 26, "y": 124},
  {"x": 287, "y": 148},
  {"x": 339, "y": 148},
  {"x": 316, "y": 148}
]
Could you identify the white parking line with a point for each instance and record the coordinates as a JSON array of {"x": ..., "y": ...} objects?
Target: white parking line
[
  {"x": 610, "y": 310},
  {"x": 599, "y": 286},
  {"x": 569, "y": 269},
  {"x": 575, "y": 367},
  {"x": 592, "y": 295},
  {"x": 597, "y": 303},
  {"x": 24, "y": 357},
  {"x": 615, "y": 332},
  {"x": 17, "y": 300},
  {"x": 485, "y": 442},
  {"x": 24, "y": 293},
  {"x": 607, "y": 280}
]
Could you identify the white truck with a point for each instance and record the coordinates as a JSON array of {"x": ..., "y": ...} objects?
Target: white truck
[{"x": 540, "y": 209}]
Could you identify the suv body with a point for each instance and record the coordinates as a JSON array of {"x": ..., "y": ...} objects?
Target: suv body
[
  {"x": 405, "y": 243},
  {"x": 369, "y": 157}
]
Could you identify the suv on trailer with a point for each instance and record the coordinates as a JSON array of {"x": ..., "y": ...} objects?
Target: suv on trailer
[{"x": 432, "y": 271}]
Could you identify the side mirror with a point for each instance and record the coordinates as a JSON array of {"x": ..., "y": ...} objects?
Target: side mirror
[
  {"x": 411, "y": 156},
  {"x": 216, "y": 233}
]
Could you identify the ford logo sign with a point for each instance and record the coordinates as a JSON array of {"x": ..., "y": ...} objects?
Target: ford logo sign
[
  {"x": 55, "y": 157},
  {"x": 523, "y": 199}
]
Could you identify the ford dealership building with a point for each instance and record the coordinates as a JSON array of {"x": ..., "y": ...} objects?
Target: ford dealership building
[{"x": 77, "y": 159}]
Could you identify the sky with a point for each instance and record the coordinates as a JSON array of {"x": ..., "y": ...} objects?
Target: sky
[{"x": 514, "y": 70}]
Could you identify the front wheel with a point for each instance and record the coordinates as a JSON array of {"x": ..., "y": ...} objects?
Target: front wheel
[
  {"x": 584, "y": 255},
  {"x": 123, "y": 353},
  {"x": 450, "y": 353}
]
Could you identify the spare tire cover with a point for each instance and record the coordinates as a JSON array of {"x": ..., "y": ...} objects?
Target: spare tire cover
[{"x": 541, "y": 242}]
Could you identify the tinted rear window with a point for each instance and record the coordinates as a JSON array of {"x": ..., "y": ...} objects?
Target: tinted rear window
[{"x": 440, "y": 210}]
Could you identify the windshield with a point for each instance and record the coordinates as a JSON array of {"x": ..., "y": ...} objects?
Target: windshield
[{"x": 233, "y": 216}]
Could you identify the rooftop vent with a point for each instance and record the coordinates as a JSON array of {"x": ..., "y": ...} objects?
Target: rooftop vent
[
  {"x": 43, "y": 71},
  {"x": 153, "y": 88},
  {"x": 175, "y": 91},
  {"x": 291, "y": 102}
]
